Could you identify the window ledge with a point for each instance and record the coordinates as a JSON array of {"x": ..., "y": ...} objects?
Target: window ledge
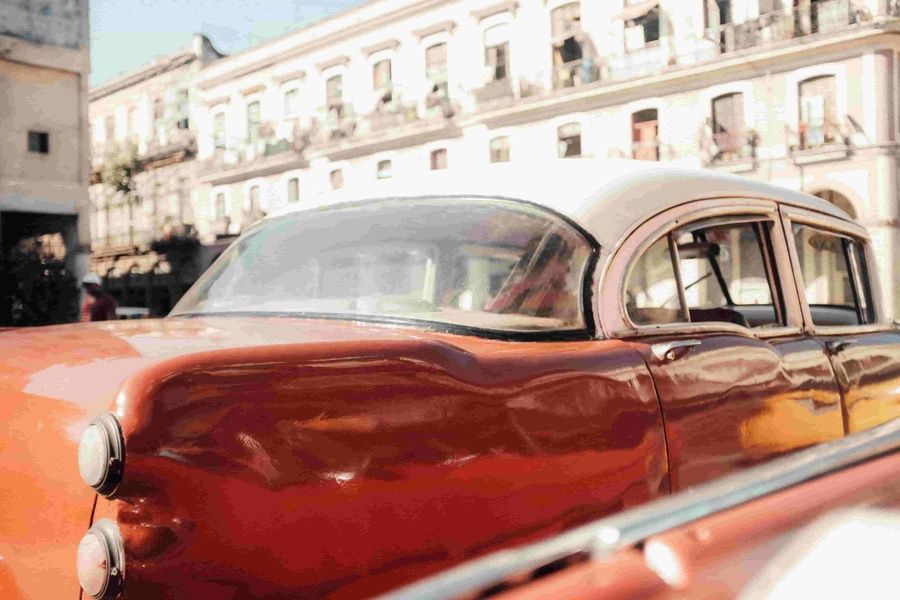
[
  {"x": 820, "y": 154},
  {"x": 741, "y": 165}
]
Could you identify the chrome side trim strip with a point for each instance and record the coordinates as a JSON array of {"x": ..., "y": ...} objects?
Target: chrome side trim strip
[{"x": 610, "y": 534}]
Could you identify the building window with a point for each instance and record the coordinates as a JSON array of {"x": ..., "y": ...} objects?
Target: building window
[
  {"x": 500, "y": 149},
  {"x": 728, "y": 130},
  {"x": 645, "y": 135},
  {"x": 337, "y": 179},
  {"x": 382, "y": 81},
  {"x": 220, "y": 206},
  {"x": 436, "y": 69},
  {"x": 254, "y": 199},
  {"x": 565, "y": 30},
  {"x": 818, "y": 112},
  {"x": 496, "y": 52},
  {"x": 39, "y": 142},
  {"x": 439, "y": 159},
  {"x": 253, "y": 122},
  {"x": 573, "y": 58},
  {"x": 291, "y": 103},
  {"x": 219, "y": 133},
  {"x": 642, "y": 29},
  {"x": 334, "y": 91},
  {"x": 133, "y": 123},
  {"x": 293, "y": 190},
  {"x": 569, "y": 136},
  {"x": 384, "y": 169},
  {"x": 159, "y": 120},
  {"x": 183, "y": 110},
  {"x": 109, "y": 128}
]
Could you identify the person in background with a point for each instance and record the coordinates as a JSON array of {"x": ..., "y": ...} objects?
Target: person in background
[{"x": 98, "y": 305}]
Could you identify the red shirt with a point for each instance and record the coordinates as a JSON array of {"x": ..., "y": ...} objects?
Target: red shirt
[{"x": 98, "y": 308}]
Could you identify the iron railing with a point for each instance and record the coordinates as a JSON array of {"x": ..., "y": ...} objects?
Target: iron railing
[{"x": 817, "y": 17}]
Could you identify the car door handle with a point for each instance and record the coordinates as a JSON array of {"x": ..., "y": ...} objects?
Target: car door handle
[
  {"x": 837, "y": 346},
  {"x": 667, "y": 351}
]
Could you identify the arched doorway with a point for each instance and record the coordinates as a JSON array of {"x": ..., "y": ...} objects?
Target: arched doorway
[{"x": 839, "y": 200}]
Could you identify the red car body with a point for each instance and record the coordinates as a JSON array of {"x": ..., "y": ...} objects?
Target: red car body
[
  {"x": 283, "y": 456},
  {"x": 818, "y": 528}
]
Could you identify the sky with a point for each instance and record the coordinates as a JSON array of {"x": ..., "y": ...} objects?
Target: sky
[{"x": 126, "y": 34}]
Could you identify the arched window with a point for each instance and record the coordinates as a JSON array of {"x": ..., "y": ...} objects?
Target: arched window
[
  {"x": 645, "y": 135},
  {"x": 500, "y": 149},
  {"x": 496, "y": 52},
  {"x": 382, "y": 80},
  {"x": 839, "y": 200},
  {"x": 384, "y": 169},
  {"x": 337, "y": 179},
  {"x": 728, "y": 128},
  {"x": 439, "y": 159},
  {"x": 293, "y": 190},
  {"x": 334, "y": 91},
  {"x": 819, "y": 124},
  {"x": 569, "y": 140}
]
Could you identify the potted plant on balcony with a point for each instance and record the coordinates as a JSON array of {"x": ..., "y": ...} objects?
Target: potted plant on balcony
[{"x": 119, "y": 170}]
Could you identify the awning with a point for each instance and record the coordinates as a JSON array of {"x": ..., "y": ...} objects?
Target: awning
[{"x": 638, "y": 10}]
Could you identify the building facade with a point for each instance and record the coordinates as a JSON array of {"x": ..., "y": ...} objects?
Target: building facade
[
  {"x": 801, "y": 93},
  {"x": 144, "y": 143},
  {"x": 44, "y": 155}
]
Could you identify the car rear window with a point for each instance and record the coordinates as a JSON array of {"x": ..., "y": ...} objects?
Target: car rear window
[{"x": 475, "y": 263}]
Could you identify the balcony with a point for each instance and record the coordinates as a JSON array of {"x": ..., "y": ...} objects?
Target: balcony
[
  {"x": 494, "y": 93},
  {"x": 818, "y": 142},
  {"x": 176, "y": 146},
  {"x": 733, "y": 151},
  {"x": 820, "y": 17},
  {"x": 394, "y": 126},
  {"x": 575, "y": 73},
  {"x": 237, "y": 159}
]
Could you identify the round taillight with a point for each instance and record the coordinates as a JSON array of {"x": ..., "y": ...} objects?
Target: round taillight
[
  {"x": 101, "y": 454},
  {"x": 100, "y": 561}
]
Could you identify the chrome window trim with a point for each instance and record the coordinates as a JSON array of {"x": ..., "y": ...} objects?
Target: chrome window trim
[
  {"x": 849, "y": 229},
  {"x": 613, "y": 317}
]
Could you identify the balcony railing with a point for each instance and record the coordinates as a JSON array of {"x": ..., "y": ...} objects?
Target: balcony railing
[
  {"x": 494, "y": 91},
  {"x": 575, "y": 73},
  {"x": 818, "y": 17},
  {"x": 812, "y": 136},
  {"x": 649, "y": 150},
  {"x": 727, "y": 147}
]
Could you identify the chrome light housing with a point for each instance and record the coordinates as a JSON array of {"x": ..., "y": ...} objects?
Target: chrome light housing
[
  {"x": 101, "y": 454},
  {"x": 100, "y": 561}
]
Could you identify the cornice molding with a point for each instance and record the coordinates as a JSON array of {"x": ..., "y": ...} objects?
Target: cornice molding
[
  {"x": 337, "y": 61},
  {"x": 440, "y": 27},
  {"x": 510, "y": 6},
  {"x": 285, "y": 77},
  {"x": 252, "y": 89},
  {"x": 324, "y": 41},
  {"x": 391, "y": 44}
]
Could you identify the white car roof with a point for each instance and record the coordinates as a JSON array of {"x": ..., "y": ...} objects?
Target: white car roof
[{"x": 605, "y": 197}]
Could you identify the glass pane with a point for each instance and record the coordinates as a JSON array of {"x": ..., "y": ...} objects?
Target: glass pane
[
  {"x": 651, "y": 294},
  {"x": 723, "y": 269},
  {"x": 478, "y": 263},
  {"x": 827, "y": 283}
]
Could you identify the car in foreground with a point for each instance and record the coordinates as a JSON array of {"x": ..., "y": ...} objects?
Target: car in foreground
[
  {"x": 393, "y": 380},
  {"x": 821, "y": 523}
]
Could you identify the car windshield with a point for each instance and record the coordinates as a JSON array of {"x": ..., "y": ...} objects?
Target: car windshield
[{"x": 476, "y": 263}]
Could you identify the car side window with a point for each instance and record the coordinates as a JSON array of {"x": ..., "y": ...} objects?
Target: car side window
[
  {"x": 835, "y": 277},
  {"x": 651, "y": 295},
  {"x": 725, "y": 270},
  {"x": 721, "y": 272}
]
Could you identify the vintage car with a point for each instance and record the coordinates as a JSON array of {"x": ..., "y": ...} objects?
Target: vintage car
[
  {"x": 397, "y": 378},
  {"x": 820, "y": 523}
]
